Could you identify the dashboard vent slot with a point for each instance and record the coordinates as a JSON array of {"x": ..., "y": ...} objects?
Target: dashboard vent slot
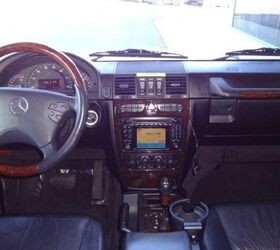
[
  {"x": 125, "y": 85},
  {"x": 176, "y": 85}
]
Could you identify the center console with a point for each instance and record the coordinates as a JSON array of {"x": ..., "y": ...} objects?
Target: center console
[
  {"x": 186, "y": 225},
  {"x": 151, "y": 138}
]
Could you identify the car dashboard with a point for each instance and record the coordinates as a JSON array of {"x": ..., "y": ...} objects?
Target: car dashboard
[{"x": 158, "y": 112}]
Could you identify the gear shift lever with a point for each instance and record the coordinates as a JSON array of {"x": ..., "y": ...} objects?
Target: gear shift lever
[{"x": 165, "y": 187}]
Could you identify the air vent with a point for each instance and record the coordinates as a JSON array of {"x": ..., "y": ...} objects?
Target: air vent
[
  {"x": 125, "y": 85},
  {"x": 176, "y": 85}
]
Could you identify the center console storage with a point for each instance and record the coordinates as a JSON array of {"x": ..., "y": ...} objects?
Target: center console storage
[
  {"x": 152, "y": 216},
  {"x": 185, "y": 224},
  {"x": 151, "y": 139}
]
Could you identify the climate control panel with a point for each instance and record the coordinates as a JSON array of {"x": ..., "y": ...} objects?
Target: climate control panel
[{"x": 142, "y": 162}]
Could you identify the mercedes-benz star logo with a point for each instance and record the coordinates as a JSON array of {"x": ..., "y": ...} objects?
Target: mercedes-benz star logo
[{"x": 19, "y": 106}]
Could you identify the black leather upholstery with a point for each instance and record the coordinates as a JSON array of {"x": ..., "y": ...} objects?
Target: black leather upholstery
[
  {"x": 157, "y": 241},
  {"x": 56, "y": 232},
  {"x": 244, "y": 226}
]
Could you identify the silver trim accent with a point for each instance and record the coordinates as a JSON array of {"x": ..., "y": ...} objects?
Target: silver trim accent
[
  {"x": 94, "y": 114},
  {"x": 19, "y": 106}
]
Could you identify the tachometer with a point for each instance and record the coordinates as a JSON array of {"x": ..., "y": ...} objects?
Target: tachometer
[
  {"x": 17, "y": 81},
  {"x": 50, "y": 76},
  {"x": 87, "y": 80}
]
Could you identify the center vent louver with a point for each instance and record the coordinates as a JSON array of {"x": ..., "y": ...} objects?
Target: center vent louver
[
  {"x": 176, "y": 85},
  {"x": 125, "y": 85}
]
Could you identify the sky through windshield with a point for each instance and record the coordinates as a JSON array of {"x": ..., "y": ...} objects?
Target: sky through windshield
[{"x": 85, "y": 26}]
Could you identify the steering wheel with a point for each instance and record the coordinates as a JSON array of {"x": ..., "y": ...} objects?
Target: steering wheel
[{"x": 33, "y": 116}]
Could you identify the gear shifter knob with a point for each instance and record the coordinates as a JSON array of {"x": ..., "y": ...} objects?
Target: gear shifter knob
[{"x": 165, "y": 187}]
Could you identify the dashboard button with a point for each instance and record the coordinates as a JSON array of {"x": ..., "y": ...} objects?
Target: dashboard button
[
  {"x": 151, "y": 88},
  {"x": 161, "y": 107},
  {"x": 128, "y": 107},
  {"x": 179, "y": 108},
  {"x": 55, "y": 116},
  {"x": 142, "y": 87},
  {"x": 140, "y": 107},
  {"x": 173, "y": 107},
  {"x": 158, "y": 160},
  {"x": 144, "y": 160},
  {"x": 134, "y": 108},
  {"x": 122, "y": 108},
  {"x": 64, "y": 107},
  {"x": 152, "y": 107},
  {"x": 127, "y": 146},
  {"x": 59, "y": 106},
  {"x": 159, "y": 87},
  {"x": 51, "y": 106},
  {"x": 167, "y": 107}
]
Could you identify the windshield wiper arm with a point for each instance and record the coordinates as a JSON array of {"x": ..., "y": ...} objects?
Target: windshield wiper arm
[
  {"x": 136, "y": 53},
  {"x": 256, "y": 52},
  {"x": 265, "y": 51}
]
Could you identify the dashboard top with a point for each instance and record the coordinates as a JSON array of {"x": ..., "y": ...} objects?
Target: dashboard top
[
  {"x": 190, "y": 67},
  {"x": 123, "y": 79}
]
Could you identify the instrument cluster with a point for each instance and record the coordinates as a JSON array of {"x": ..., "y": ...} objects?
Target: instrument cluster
[{"x": 47, "y": 75}]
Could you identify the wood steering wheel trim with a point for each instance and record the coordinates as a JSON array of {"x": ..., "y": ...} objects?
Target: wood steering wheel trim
[{"x": 24, "y": 171}]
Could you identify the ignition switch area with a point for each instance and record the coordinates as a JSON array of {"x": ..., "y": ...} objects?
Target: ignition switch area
[{"x": 93, "y": 115}]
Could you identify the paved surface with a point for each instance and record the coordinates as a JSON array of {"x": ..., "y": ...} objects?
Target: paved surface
[{"x": 92, "y": 25}]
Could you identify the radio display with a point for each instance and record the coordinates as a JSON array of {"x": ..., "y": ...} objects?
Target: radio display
[{"x": 151, "y": 138}]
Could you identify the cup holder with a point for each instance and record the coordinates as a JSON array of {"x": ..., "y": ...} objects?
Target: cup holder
[{"x": 188, "y": 218}]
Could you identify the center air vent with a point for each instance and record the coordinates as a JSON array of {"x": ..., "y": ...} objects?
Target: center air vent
[
  {"x": 125, "y": 85},
  {"x": 176, "y": 85}
]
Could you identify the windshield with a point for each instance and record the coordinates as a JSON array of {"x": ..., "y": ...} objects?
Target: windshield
[{"x": 199, "y": 29}]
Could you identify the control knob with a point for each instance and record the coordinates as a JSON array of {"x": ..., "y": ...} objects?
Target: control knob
[
  {"x": 144, "y": 160},
  {"x": 132, "y": 162},
  {"x": 158, "y": 160},
  {"x": 170, "y": 163}
]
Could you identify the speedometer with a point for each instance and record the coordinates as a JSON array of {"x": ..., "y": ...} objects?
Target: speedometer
[{"x": 50, "y": 76}]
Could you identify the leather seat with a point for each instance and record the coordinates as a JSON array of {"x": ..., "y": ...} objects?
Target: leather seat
[
  {"x": 50, "y": 232},
  {"x": 243, "y": 226}
]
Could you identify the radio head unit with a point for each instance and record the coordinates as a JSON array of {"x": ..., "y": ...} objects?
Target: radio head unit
[{"x": 151, "y": 134}]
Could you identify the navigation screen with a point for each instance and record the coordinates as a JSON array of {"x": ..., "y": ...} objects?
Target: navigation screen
[{"x": 151, "y": 138}]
